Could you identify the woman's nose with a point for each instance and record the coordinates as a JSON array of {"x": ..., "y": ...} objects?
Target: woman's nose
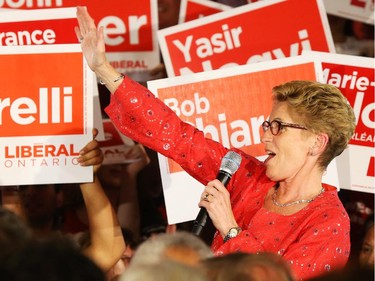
[{"x": 266, "y": 136}]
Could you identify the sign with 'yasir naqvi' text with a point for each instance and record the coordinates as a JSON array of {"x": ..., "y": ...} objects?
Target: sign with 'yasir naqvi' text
[
  {"x": 45, "y": 114},
  {"x": 256, "y": 32}
]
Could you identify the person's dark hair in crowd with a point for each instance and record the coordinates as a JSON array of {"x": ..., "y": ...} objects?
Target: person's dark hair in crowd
[{"x": 52, "y": 259}]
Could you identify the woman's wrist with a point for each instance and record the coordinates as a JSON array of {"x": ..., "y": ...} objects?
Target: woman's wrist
[{"x": 109, "y": 76}]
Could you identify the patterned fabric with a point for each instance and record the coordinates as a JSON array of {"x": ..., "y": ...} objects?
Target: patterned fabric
[{"x": 314, "y": 240}]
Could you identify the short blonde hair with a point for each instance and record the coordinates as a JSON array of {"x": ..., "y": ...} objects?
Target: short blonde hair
[{"x": 322, "y": 109}]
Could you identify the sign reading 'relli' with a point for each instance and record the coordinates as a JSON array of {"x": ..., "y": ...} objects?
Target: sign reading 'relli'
[{"x": 45, "y": 114}]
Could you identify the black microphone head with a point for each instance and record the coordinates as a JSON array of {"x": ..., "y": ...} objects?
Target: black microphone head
[{"x": 231, "y": 162}]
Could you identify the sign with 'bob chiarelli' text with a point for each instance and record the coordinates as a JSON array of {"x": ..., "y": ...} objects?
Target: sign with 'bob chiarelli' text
[
  {"x": 45, "y": 114},
  {"x": 195, "y": 9},
  {"x": 228, "y": 105},
  {"x": 358, "y": 10},
  {"x": 354, "y": 76},
  {"x": 256, "y": 32},
  {"x": 129, "y": 28},
  {"x": 44, "y": 27}
]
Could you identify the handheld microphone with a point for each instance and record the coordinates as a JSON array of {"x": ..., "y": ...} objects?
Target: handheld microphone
[{"x": 229, "y": 165}]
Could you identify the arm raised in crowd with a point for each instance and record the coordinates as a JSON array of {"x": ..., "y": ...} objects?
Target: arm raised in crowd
[
  {"x": 93, "y": 47},
  {"x": 107, "y": 243},
  {"x": 128, "y": 207}
]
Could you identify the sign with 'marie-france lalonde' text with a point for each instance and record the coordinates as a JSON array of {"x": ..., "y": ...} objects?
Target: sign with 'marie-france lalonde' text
[
  {"x": 45, "y": 114},
  {"x": 228, "y": 105},
  {"x": 129, "y": 28},
  {"x": 354, "y": 76},
  {"x": 256, "y": 32}
]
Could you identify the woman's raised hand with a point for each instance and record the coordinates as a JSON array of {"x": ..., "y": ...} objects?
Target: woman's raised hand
[{"x": 91, "y": 39}]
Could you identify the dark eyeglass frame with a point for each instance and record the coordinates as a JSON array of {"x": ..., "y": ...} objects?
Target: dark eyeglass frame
[{"x": 280, "y": 125}]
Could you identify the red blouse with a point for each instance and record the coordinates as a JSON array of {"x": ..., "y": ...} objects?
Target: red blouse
[{"x": 314, "y": 240}]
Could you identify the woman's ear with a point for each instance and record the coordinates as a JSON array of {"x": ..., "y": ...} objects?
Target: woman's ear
[{"x": 320, "y": 144}]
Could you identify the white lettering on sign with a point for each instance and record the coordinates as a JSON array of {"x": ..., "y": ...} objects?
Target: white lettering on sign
[
  {"x": 349, "y": 81},
  {"x": 236, "y": 133},
  {"x": 39, "y": 150},
  {"x": 40, "y": 162},
  {"x": 242, "y": 131},
  {"x": 24, "y": 110},
  {"x": 115, "y": 29},
  {"x": 278, "y": 53},
  {"x": 352, "y": 81},
  {"x": 200, "y": 105},
  {"x": 218, "y": 43},
  {"x": 30, "y": 3},
  {"x": 20, "y": 38}
]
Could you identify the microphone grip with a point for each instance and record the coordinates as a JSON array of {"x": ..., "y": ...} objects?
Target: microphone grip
[
  {"x": 200, "y": 221},
  {"x": 202, "y": 216},
  {"x": 224, "y": 177}
]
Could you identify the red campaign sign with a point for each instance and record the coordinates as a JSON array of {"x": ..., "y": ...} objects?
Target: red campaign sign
[
  {"x": 47, "y": 117},
  {"x": 357, "y": 84},
  {"x": 195, "y": 9},
  {"x": 115, "y": 147},
  {"x": 47, "y": 102},
  {"x": 354, "y": 77},
  {"x": 261, "y": 31},
  {"x": 40, "y": 32},
  {"x": 128, "y": 26},
  {"x": 38, "y": 27},
  {"x": 129, "y": 30}
]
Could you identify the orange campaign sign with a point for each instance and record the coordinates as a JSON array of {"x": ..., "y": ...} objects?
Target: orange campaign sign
[
  {"x": 43, "y": 104},
  {"x": 256, "y": 32},
  {"x": 195, "y": 9},
  {"x": 129, "y": 28},
  {"x": 43, "y": 27},
  {"x": 45, "y": 114},
  {"x": 354, "y": 76},
  {"x": 229, "y": 106}
]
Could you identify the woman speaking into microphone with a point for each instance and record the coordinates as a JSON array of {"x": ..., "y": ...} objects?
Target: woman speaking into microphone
[{"x": 279, "y": 205}]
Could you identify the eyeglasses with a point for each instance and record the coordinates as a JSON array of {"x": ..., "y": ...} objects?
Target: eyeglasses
[{"x": 276, "y": 126}]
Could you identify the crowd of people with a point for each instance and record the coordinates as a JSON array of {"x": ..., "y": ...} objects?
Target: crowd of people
[{"x": 275, "y": 220}]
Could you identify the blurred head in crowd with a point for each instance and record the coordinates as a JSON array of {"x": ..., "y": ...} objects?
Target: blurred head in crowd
[{"x": 169, "y": 11}]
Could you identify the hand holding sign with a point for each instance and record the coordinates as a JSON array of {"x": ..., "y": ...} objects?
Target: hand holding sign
[{"x": 91, "y": 154}]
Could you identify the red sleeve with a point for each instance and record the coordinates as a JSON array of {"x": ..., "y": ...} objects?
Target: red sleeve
[{"x": 138, "y": 114}]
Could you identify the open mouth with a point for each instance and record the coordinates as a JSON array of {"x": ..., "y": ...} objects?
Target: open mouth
[{"x": 270, "y": 154}]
